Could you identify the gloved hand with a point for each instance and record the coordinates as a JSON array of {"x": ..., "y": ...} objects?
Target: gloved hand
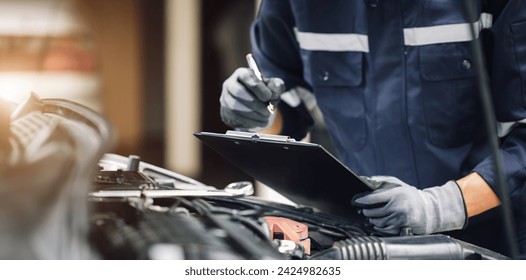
[
  {"x": 394, "y": 205},
  {"x": 244, "y": 100}
]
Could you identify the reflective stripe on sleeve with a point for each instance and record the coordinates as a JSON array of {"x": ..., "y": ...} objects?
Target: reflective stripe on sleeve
[
  {"x": 447, "y": 33},
  {"x": 296, "y": 95},
  {"x": 336, "y": 42},
  {"x": 291, "y": 98},
  {"x": 504, "y": 128}
]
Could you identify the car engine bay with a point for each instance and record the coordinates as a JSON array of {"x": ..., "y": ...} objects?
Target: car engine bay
[{"x": 64, "y": 197}]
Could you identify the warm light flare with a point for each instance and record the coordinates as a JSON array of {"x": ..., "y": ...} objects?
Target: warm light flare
[
  {"x": 13, "y": 88},
  {"x": 79, "y": 87}
]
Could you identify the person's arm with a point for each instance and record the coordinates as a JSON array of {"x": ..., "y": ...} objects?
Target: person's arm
[
  {"x": 276, "y": 50},
  {"x": 507, "y": 70},
  {"x": 478, "y": 195}
]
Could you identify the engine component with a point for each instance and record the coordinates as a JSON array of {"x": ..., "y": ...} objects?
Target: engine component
[
  {"x": 286, "y": 229},
  {"x": 135, "y": 234},
  {"x": 46, "y": 173},
  {"x": 425, "y": 247}
]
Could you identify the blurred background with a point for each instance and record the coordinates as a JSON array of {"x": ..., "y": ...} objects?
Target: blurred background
[{"x": 154, "y": 68}]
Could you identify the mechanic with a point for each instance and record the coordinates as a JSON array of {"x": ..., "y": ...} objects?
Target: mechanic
[{"x": 396, "y": 84}]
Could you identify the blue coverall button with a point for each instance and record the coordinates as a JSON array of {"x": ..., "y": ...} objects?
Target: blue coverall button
[
  {"x": 373, "y": 3},
  {"x": 466, "y": 64},
  {"x": 324, "y": 76}
]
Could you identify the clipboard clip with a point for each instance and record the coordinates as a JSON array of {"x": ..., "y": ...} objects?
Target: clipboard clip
[{"x": 256, "y": 136}]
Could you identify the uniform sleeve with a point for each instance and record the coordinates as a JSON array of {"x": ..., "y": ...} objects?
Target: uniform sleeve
[
  {"x": 508, "y": 85},
  {"x": 277, "y": 53}
]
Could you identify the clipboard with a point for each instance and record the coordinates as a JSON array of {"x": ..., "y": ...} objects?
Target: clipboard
[{"x": 305, "y": 173}]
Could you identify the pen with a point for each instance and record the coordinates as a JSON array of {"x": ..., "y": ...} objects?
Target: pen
[{"x": 254, "y": 67}]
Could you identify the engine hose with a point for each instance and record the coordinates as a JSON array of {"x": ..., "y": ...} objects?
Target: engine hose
[{"x": 426, "y": 247}]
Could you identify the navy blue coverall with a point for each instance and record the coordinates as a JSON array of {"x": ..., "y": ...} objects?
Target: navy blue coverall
[{"x": 397, "y": 87}]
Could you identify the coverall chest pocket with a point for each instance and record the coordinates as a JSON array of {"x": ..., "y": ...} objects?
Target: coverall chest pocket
[
  {"x": 332, "y": 69},
  {"x": 336, "y": 79},
  {"x": 450, "y": 94}
]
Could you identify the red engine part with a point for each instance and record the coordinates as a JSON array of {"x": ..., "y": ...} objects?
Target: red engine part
[{"x": 290, "y": 229}]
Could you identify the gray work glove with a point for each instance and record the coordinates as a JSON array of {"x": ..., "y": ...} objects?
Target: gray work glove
[
  {"x": 395, "y": 205},
  {"x": 244, "y": 100}
]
